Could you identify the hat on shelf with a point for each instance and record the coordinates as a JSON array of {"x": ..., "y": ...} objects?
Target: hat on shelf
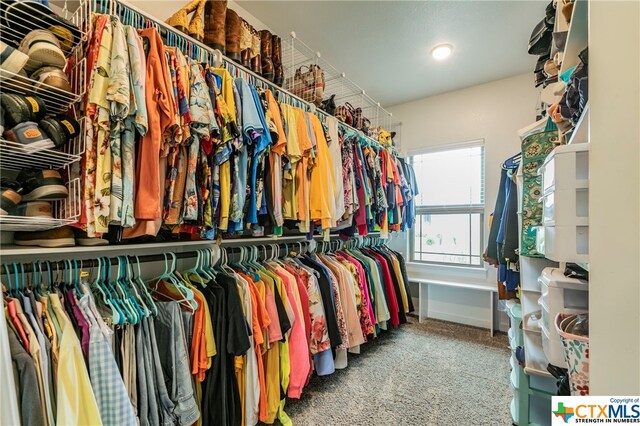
[
  {"x": 550, "y": 68},
  {"x": 29, "y": 136},
  {"x": 67, "y": 33},
  {"x": 560, "y": 40},
  {"x": 12, "y": 59},
  {"x": 48, "y": 78},
  {"x": 21, "y": 16},
  {"x": 43, "y": 48},
  {"x": 553, "y": 93}
]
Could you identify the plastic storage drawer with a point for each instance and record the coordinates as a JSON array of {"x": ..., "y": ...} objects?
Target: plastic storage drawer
[
  {"x": 564, "y": 243},
  {"x": 566, "y": 207},
  {"x": 560, "y": 293},
  {"x": 552, "y": 346},
  {"x": 566, "y": 167}
]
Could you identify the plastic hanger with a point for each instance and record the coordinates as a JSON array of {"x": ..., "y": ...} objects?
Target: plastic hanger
[
  {"x": 114, "y": 295},
  {"x": 168, "y": 276},
  {"x": 137, "y": 280},
  {"x": 196, "y": 271},
  {"x": 116, "y": 313},
  {"x": 133, "y": 311},
  {"x": 129, "y": 284}
]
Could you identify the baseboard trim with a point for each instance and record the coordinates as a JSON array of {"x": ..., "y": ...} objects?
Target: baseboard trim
[{"x": 460, "y": 319}]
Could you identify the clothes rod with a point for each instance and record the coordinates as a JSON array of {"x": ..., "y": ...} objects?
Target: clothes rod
[
  {"x": 61, "y": 265},
  {"x": 113, "y": 261},
  {"x": 293, "y": 244}
]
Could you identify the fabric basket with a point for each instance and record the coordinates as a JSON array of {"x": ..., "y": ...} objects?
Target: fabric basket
[
  {"x": 576, "y": 353},
  {"x": 535, "y": 148}
]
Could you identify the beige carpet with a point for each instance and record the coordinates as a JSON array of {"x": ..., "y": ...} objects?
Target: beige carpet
[{"x": 435, "y": 373}]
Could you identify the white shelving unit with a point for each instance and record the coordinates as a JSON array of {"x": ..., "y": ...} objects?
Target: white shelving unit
[
  {"x": 564, "y": 187},
  {"x": 15, "y": 156},
  {"x": 578, "y": 37},
  {"x": 580, "y": 133}
]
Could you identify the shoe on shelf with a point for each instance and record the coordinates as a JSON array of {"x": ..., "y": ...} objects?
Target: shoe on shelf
[
  {"x": 41, "y": 209},
  {"x": 61, "y": 129},
  {"x": 12, "y": 59},
  {"x": 52, "y": 238},
  {"x": 9, "y": 196},
  {"x": 276, "y": 55},
  {"x": 18, "y": 108},
  {"x": 42, "y": 185},
  {"x": 215, "y": 16},
  {"x": 179, "y": 20},
  {"x": 43, "y": 49},
  {"x": 82, "y": 239},
  {"x": 233, "y": 30},
  {"x": 29, "y": 136},
  {"x": 196, "y": 25},
  {"x": 47, "y": 77},
  {"x": 266, "y": 52}
]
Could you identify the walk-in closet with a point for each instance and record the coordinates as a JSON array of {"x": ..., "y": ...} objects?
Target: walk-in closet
[{"x": 240, "y": 212}]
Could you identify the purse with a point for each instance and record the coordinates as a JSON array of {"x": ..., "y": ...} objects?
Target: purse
[
  {"x": 358, "y": 119},
  {"x": 309, "y": 84},
  {"x": 344, "y": 113},
  {"x": 329, "y": 105}
]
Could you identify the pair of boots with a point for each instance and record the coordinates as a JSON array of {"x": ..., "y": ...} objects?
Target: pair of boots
[
  {"x": 255, "y": 50},
  {"x": 195, "y": 28},
  {"x": 224, "y": 30},
  {"x": 250, "y": 48},
  {"x": 270, "y": 59}
]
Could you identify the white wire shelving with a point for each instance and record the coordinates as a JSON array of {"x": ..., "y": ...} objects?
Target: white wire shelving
[
  {"x": 65, "y": 212},
  {"x": 296, "y": 54},
  {"x": 15, "y": 156}
]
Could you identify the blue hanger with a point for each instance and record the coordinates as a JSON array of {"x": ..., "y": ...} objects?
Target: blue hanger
[{"x": 143, "y": 288}]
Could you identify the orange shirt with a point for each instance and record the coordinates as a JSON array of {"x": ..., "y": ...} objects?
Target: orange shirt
[{"x": 162, "y": 111}]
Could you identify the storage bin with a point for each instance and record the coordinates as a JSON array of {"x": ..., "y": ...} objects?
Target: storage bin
[
  {"x": 552, "y": 346},
  {"x": 515, "y": 377},
  {"x": 566, "y": 207},
  {"x": 560, "y": 293},
  {"x": 530, "y": 270},
  {"x": 547, "y": 317},
  {"x": 576, "y": 354},
  {"x": 565, "y": 243},
  {"x": 566, "y": 167},
  {"x": 535, "y": 359}
]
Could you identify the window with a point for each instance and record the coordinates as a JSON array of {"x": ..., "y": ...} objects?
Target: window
[{"x": 450, "y": 206}]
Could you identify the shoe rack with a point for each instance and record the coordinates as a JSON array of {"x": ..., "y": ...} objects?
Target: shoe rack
[{"x": 15, "y": 156}]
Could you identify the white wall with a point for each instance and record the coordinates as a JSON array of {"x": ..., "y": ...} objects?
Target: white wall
[
  {"x": 614, "y": 198},
  {"x": 494, "y": 112}
]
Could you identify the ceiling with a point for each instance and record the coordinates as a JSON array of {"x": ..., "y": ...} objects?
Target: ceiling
[{"x": 384, "y": 46}]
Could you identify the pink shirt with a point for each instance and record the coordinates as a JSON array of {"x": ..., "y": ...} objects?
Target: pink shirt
[{"x": 298, "y": 346}]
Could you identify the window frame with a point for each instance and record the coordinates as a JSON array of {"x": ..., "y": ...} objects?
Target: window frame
[{"x": 469, "y": 209}]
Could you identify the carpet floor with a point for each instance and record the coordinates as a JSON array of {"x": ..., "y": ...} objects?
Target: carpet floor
[{"x": 434, "y": 373}]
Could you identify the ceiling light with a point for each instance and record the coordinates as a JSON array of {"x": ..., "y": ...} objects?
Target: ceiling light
[{"x": 442, "y": 51}]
